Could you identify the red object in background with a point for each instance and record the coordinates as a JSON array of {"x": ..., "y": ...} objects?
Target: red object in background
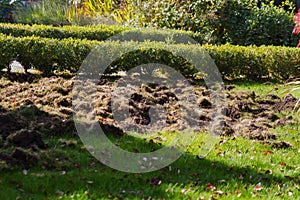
[
  {"x": 296, "y": 19},
  {"x": 296, "y": 30}
]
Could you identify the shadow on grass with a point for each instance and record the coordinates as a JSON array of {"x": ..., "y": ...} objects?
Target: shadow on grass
[{"x": 100, "y": 181}]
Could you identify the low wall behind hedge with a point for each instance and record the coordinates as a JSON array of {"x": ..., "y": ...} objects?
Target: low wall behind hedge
[{"x": 48, "y": 55}]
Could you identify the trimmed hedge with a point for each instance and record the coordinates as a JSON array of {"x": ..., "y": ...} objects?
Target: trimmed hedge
[
  {"x": 99, "y": 32},
  {"x": 44, "y": 54},
  {"x": 48, "y": 55}
]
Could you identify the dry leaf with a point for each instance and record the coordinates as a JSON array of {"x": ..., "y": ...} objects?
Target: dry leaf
[
  {"x": 258, "y": 187},
  {"x": 184, "y": 191},
  {"x": 267, "y": 153},
  {"x": 283, "y": 164},
  {"x": 241, "y": 177},
  {"x": 210, "y": 186}
]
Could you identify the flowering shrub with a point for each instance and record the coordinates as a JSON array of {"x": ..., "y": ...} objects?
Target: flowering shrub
[
  {"x": 297, "y": 21},
  {"x": 297, "y": 26}
]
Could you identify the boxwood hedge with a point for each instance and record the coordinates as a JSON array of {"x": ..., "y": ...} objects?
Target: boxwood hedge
[
  {"x": 251, "y": 62},
  {"x": 99, "y": 32}
]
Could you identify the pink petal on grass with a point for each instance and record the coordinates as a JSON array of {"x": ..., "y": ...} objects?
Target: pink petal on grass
[{"x": 258, "y": 187}]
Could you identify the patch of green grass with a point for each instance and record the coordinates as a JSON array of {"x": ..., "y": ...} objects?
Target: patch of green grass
[
  {"x": 234, "y": 168},
  {"x": 265, "y": 88}
]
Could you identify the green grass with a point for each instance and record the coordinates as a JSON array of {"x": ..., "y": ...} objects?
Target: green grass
[
  {"x": 264, "y": 89},
  {"x": 234, "y": 168}
]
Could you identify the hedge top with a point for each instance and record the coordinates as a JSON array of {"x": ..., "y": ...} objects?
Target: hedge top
[{"x": 99, "y": 32}]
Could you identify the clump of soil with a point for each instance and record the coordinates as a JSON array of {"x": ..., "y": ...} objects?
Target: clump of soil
[{"x": 32, "y": 107}]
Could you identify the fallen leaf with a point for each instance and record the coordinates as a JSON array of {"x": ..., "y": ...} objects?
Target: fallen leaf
[
  {"x": 237, "y": 192},
  {"x": 258, "y": 187},
  {"x": 283, "y": 164},
  {"x": 184, "y": 191},
  {"x": 222, "y": 141},
  {"x": 241, "y": 177},
  {"x": 78, "y": 166},
  {"x": 267, "y": 153},
  {"x": 210, "y": 186},
  {"x": 220, "y": 154},
  {"x": 220, "y": 192}
]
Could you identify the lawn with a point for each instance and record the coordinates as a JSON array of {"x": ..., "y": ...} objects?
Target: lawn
[
  {"x": 43, "y": 149},
  {"x": 236, "y": 168}
]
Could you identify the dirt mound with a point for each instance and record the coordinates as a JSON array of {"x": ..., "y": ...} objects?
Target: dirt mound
[{"x": 26, "y": 139}]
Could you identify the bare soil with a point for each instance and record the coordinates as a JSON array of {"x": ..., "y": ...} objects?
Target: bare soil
[{"x": 33, "y": 107}]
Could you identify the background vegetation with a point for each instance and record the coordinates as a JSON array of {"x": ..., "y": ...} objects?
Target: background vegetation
[{"x": 239, "y": 22}]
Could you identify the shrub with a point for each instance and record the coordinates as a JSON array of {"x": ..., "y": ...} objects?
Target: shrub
[
  {"x": 246, "y": 24},
  {"x": 190, "y": 15},
  {"x": 7, "y": 52},
  {"x": 240, "y": 22},
  {"x": 100, "y": 32},
  {"x": 252, "y": 62}
]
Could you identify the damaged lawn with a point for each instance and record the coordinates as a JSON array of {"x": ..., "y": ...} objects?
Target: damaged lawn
[{"x": 42, "y": 157}]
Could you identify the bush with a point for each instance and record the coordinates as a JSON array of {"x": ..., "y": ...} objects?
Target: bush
[
  {"x": 7, "y": 52},
  {"x": 246, "y": 24},
  {"x": 240, "y": 22},
  {"x": 100, "y": 32},
  {"x": 252, "y": 62},
  {"x": 190, "y": 15}
]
